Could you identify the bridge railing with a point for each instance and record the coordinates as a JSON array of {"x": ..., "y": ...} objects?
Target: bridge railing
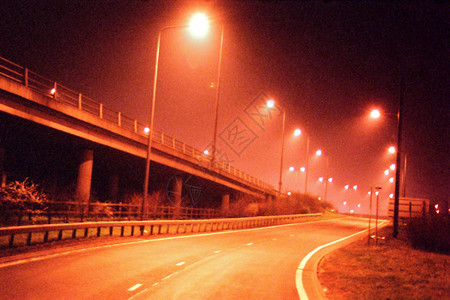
[
  {"x": 65, "y": 95},
  {"x": 51, "y": 232}
]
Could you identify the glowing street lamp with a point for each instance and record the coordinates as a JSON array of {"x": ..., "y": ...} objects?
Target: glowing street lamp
[
  {"x": 303, "y": 169},
  {"x": 291, "y": 169},
  {"x": 297, "y": 132},
  {"x": 270, "y": 103},
  {"x": 355, "y": 187},
  {"x": 375, "y": 114},
  {"x": 198, "y": 27},
  {"x": 386, "y": 172},
  {"x": 346, "y": 186},
  {"x": 392, "y": 167},
  {"x": 391, "y": 150}
]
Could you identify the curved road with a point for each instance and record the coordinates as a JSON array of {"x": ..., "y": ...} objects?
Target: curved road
[{"x": 259, "y": 263}]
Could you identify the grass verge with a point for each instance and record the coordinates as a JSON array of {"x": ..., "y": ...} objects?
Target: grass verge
[{"x": 391, "y": 270}]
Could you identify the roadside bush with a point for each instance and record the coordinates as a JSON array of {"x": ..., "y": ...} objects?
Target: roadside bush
[
  {"x": 248, "y": 206},
  {"x": 18, "y": 199},
  {"x": 430, "y": 233}
]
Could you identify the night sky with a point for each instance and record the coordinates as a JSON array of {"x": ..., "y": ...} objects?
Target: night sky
[{"x": 325, "y": 63}]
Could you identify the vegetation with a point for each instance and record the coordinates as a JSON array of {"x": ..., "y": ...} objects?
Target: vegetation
[
  {"x": 248, "y": 206},
  {"x": 391, "y": 270},
  {"x": 430, "y": 233},
  {"x": 18, "y": 199}
]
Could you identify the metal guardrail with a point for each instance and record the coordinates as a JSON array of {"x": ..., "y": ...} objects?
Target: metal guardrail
[
  {"x": 75, "y": 211},
  {"x": 147, "y": 227},
  {"x": 65, "y": 95}
]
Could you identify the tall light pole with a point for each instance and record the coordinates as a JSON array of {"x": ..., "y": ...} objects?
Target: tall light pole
[
  {"x": 270, "y": 104},
  {"x": 319, "y": 153},
  {"x": 298, "y": 132},
  {"x": 377, "y": 188},
  {"x": 216, "y": 111},
  {"x": 376, "y": 114},
  {"x": 280, "y": 183},
  {"x": 399, "y": 160},
  {"x": 307, "y": 165},
  {"x": 197, "y": 26}
]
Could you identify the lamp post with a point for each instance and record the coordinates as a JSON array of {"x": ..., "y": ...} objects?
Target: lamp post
[
  {"x": 270, "y": 104},
  {"x": 298, "y": 132},
  {"x": 376, "y": 114},
  {"x": 399, "y": 160},
  {"x": 319, "y": 153},
  {"x": 216, "y": 110},
  {"x": 370, "y": 215},
  {"x": 377, "y": 188},
  {"x": 197, "y": 25}
]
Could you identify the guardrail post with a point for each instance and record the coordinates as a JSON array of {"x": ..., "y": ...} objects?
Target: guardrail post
[
  {"x": 100, "y": 113},
  {"x": 80, "y": 97},
  {"x": 135, "y": 125},
  {"x": 119, "y": 119}
]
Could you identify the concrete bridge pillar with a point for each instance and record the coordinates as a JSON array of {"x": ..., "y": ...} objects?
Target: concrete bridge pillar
[
  {"x": 83, "y": 190},
  {"x": 177, "y": 188},
  {"x": 114, "y": 187},
  {"x": 225, "y": 207}
]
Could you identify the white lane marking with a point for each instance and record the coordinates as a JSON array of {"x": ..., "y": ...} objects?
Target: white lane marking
[
  {"x": 274, "y": 239},
  {"x": 155, "y": 284},
  {"x": 217, "y": 251},
  {"x": 168, "y": 276},
  {"x": 291, "y": 235},
  {"x": 135, "y": 287},
  {"x": 249, "y": 244},
  {"x": 299, "y": 273},
  {"x": 181, "y": 263},
  {"x": 39, "y": 258}
]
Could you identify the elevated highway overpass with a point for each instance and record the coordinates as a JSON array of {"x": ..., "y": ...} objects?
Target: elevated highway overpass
[{"x": 29, "y": 96}]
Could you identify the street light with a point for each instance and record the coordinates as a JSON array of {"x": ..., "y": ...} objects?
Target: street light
[
  {"x": 399, "y": 152},
  {"x": 271, "y": 104},
  {"x": 319, "y": 153},
  {"x": 375, "y": 114},
  {"x": 298, "y": 132},
  {"x": 195, "y": 27}
]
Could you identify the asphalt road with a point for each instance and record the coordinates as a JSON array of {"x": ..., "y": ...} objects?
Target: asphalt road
[{"x": 256, "y": 263}]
